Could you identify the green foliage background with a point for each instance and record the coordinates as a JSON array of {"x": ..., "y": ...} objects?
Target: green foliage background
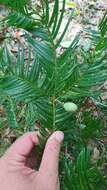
[{"x": 35, "y": 90}]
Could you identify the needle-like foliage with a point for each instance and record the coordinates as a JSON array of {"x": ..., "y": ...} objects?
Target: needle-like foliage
[{"x": 41, "y": 86}]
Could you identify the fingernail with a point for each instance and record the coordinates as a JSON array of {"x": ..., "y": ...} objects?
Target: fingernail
[{"x": 58, "y": 135}]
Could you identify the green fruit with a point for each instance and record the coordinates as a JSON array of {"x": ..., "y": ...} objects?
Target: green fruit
[
  {"x": 82, "y": 126},
  {"x": 70, "y": 107}
]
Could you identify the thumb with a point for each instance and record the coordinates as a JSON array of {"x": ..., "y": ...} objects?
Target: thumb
[
  {"x": 49, "y": 163},
  {"x": 22, "y": 146}
]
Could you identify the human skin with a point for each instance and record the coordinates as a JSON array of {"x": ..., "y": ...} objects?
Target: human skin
[{"x": 15, "y": 174}]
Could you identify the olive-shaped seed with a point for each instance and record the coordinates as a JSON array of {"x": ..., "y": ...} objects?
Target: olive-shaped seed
[{"x": 70, "y": 107}]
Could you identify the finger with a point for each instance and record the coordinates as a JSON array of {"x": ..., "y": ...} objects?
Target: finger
[
  {"x": 24, "y": 145},
  {"x": 49, "y": 163}
]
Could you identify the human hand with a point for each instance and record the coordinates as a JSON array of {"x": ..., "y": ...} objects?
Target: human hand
[{"x": 16, "y": 174}]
